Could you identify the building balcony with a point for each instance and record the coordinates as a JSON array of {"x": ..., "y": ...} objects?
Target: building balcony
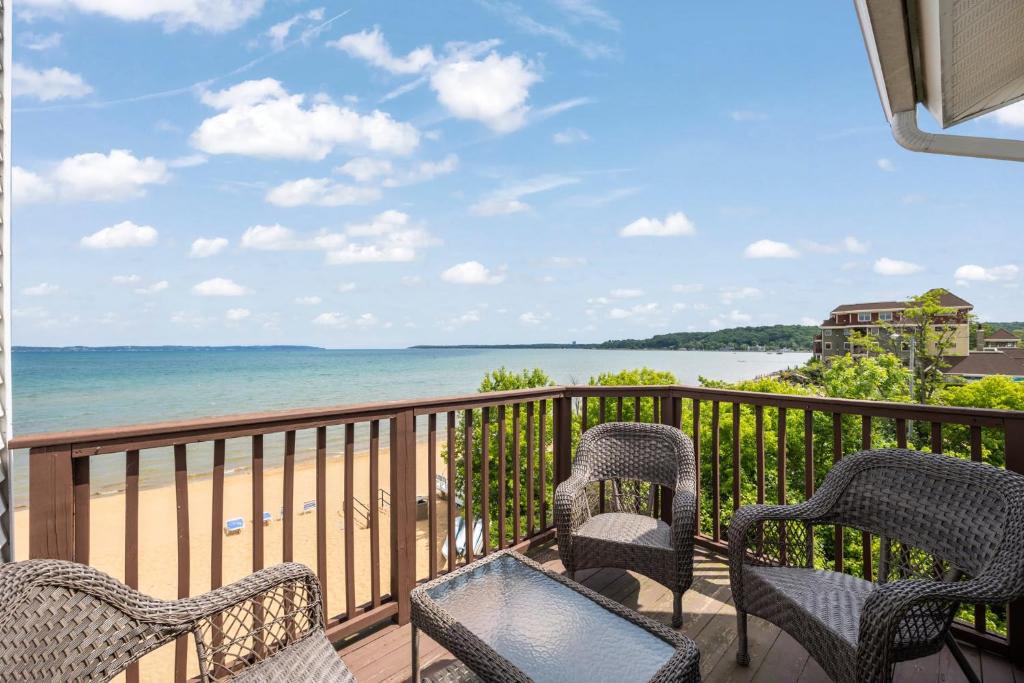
[{"x": 368, "y": 497}]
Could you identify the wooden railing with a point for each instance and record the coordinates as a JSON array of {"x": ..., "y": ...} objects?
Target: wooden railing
[{"x": 509, "y": 451}]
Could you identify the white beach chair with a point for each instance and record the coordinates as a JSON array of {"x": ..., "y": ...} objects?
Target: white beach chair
[
  {"x": 308, "y": 507},
  {"x": 234, "y": 526},
  {"x": 267, "y": 518},
  {"x": 460, "y": 539}
]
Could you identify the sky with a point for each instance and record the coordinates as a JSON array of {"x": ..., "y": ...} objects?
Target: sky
[{"x": 381, "y": 174}]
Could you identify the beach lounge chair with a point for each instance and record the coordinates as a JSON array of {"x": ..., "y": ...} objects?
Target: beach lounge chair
[
  {"x": 62, "y": 621},
  {"x": 478, "y": 537},
  {"x": 308, "y": 507},
  {"x": 234, "y": 526},
  {"x": 266, "y": 518},
  {"x": 460, "y": 539}
]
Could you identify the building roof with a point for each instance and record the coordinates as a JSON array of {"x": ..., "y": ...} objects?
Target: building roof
[
  {"x": 987, "y": 363},
  {"x": 947, "y": 299},
  {"x": 1001, "y": 335}
]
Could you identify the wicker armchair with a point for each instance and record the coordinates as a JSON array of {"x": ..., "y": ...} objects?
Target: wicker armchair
[
  {"x": 66, "y": 621},
  {"x": 936, "y": 553},
  {"x": 652, "y": 453}
]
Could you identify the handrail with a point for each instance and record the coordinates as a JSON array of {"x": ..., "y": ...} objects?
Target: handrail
[{"x": 153, "y": 435}]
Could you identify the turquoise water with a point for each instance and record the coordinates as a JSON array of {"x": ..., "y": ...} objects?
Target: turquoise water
[{"x": 62, "y": 390}]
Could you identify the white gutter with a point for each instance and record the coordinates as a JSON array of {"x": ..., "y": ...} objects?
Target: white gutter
[{"x": 908, "y": 135}]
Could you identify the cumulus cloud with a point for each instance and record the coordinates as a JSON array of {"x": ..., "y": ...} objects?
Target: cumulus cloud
[
  {"x": 508, "y": 200},
  {"x": 30, "y": 188},
  {"x": 688, "y": 288},
  {"x": 308, "y": 300},
  {"x": 492, "y": 90},
  {"x": 205, "y": 247},
  {"x": 276, "y": 237},
  {"x": 100, "y": 177},
  {"x": 975, "y": 273},
  {"x": 886, "y": 165},
  {"x": 208, "y": 15},
  {"x": 473, "y": 273},
  {"x": 888, "y": 266},
  {"x": 675, "y": 224},
  {"x": 219, "y": 286},
  {"x": 389, "y": 237},
  {"x": 637, "y": 311},
  {"x": 125, "y": 279},
  {"x": 122, "y": 235},
  {"x": 533, "y": 319},
  {"x": 365, "y": 169},
  {"x": 624, "y": 293},
  {"x": 154, "y": 288},
  {"x": 738, "y": 293},
  {"x": 39, "y": 42},
  {"x": 370, "y": 46},
  {"x": 569, "y": 136},
  {"x": 769, "y": 249},
  {"x": 261, "y": 119},
  {"x": 47, "y": 85},
  {"x": 346, "y": 287},
  {"x": 735, "y": 317},
  {"x": 320, "y": 192},
  {"x": 1013, "y": 115},
  {"x": 237, "y": 314},
  {"x": 42, "y": 289},
  {"x": 423, "y": 171},
  {"x": 341, "y": 320},
  {"x": 848, "y": 244}
]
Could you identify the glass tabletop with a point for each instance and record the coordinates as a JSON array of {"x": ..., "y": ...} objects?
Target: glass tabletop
[{"x": 546, "y": 629}]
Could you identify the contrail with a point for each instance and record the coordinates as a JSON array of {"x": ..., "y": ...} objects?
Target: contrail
[{"x": 174, "y": 92}]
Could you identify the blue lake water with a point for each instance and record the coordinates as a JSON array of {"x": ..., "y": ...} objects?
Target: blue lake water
[{"x": 62, "y": 390}]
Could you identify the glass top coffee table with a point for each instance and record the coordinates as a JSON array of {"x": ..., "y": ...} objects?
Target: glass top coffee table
[{"x": 508, "y": 619}]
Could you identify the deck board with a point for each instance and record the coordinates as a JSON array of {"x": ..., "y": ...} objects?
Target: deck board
[{"x": 709, "y": 618}]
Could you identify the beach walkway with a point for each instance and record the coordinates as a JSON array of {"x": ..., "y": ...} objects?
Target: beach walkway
[{"x": 709, "y": 619}]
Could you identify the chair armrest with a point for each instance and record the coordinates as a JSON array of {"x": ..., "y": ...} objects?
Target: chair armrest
[
  {"x": 572, "y": 509},
  {"x": 915, "y": 609},
  {"x": 247, "y": 621},
  {"x": 684, "y": 515}
]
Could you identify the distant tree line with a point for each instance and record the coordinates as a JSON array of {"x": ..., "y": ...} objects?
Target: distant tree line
[{"x": 769, "y": 337}]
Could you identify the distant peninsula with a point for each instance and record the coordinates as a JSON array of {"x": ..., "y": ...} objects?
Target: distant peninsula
[
  {"x": 74, "y": 349},
  {"x": 760, "y": 338}
]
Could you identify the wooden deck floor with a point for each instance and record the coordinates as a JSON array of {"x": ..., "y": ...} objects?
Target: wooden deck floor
[{"x": 709, "y": 619}]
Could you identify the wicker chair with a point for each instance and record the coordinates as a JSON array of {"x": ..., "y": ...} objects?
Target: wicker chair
[
  {"x": 652, "y": 453},
  {"x": 951, "y": 532},
  {"x": 66, "y": 621}
]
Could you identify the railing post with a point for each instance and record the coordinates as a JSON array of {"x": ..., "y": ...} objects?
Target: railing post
[
  {"x": 671, "y": 414},
  {"x": 51, "y": 503},
  {"x": 403, "y": 510},
  {"x": 1014, "y": 446},
  {"x": 562, "y": 438}
]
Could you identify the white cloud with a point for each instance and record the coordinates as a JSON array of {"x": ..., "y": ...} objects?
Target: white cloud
[
  {"x": 585, "y": 11},
  {"x": 423, "y": 171},
  {"x": 30, "y": 188},
  {"x": 849, "y": 244},
  {"x": 187, "y": 161},
  {"x": 42, "y": 289},
  {"x": 204, "y": 247},
  {"x": 569, "y": 136},
  {"x": 219, "y": 286},
  {"x": 236, "y": 314},
  {"x": 675, "y": 224},
  {"x": 770, "y": 249},
  {"x": 532, "y": 319},
  {"x": 566, "y": 261},
  {"x": 626, "y": 293},
  {"x": 320, "y": 192},
  {"x": 687, "y": 289},
  {"x": 492, "y": 90},
  {"x": 365, "y": 169},
  {"x": 279, "y": 32},
  {"x": 346, "y": 287},
  {"x": 638, "y": 311},
  {"x": 888, "y": 266},
  {"x": 744, "y": 115},
  {"x": 508, "y": 200},
  {"x": 886, "y": 165},
  {"x": 1013, "y": 115},
  {"x": 38, "y": 42},
  {"x": 391, "y": 238},
  {"x": 260, "y": 119},
  {"x": 125, "y": 279},
  {"x": 121, "y": 235},
  {"x": 370, "y": 46},
  {"x": 279, "y": 238},
  {"x": 734, "y": 316},
  {"x": 153, "y": 288},
  {"x": 47, "y": 85},
  {"x": 341, "y": 320},
  {"x": 209, "y": 15},
  {"x": 116, "y": 176},
  {"x": 411, "y": 280},
  {"x": 308, "y": 300},
  {"x": 740, "y": 293},
  {"x": 473, "y": 273},
  {"x": 974, "y": 273}
]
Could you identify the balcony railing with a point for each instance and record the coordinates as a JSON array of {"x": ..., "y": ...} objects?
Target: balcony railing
[{"x": 518, "y": 443}]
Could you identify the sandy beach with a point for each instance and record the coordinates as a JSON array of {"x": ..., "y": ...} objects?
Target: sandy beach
[{"x": 158, "y": 565}]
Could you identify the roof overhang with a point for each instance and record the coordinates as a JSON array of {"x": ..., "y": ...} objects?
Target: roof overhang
[{"x": 959, "y": 58}]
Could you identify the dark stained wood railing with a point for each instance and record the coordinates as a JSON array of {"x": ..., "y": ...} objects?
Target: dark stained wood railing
[{"x": 476, "y": 444}]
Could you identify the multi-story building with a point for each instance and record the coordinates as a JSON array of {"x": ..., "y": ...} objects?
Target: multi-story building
[
  {"x": 1000, "y": 339},
  {"x": 878, "y": 318}
]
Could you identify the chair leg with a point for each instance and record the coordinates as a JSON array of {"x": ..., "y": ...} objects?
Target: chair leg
[
  {"x": 571, "y": 573},
  {"x": 958, "y": 655},
  {"x": 742, "y": 655},
  {"x": 677, "y": 609}
]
